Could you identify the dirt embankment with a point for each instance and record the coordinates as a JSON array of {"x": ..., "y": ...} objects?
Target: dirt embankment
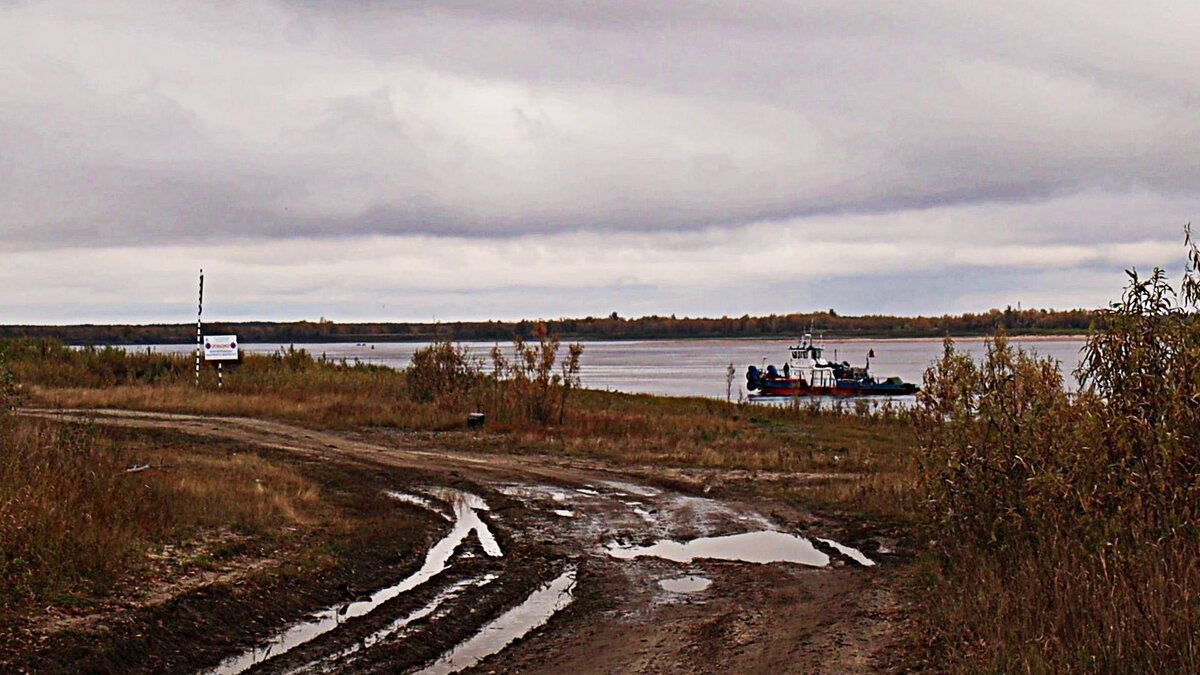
[{"x": 504, "y": 563}]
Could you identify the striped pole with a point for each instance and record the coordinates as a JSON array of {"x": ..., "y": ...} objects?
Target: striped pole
[{"x": 199, "y": 338}]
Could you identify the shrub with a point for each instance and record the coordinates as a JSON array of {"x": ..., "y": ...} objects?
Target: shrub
[
  {"x": 1064, "y": 525},
  {"x": 527, "y": 388},
  {"x": 441, "y": 370},
  {"x": 10, "y": 390}
]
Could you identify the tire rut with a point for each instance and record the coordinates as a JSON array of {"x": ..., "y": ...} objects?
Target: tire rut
[{"x": 560, "y": 518}]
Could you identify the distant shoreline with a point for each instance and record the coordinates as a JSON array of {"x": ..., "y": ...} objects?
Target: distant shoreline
[
  {"x": 1038, "y": 337},
  {"x": 1025, "y": 323}
]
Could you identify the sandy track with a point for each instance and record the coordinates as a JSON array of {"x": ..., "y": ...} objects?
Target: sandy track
[{"x": 559, "y": 517}]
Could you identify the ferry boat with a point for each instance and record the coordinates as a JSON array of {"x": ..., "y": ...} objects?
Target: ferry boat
[{"x": 808, "y": 373}]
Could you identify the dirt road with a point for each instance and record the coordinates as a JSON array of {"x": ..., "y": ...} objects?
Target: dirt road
[{"x": 546, "y": 565}]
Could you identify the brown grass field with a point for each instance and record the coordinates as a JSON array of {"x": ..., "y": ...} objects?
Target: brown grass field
[{"x": 81, "y": 506}]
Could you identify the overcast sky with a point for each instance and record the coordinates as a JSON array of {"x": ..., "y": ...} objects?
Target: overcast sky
[{"x": 491, "y": 159}]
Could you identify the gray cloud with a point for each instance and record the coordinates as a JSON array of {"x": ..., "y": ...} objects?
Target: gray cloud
[{"x": 179, "y": 127}]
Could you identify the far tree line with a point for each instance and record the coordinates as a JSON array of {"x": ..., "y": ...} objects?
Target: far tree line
[{"x": 611, "y": 327}]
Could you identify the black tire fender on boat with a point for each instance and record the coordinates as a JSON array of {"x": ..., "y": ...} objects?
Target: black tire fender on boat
[{"x": 752, "y": 378}]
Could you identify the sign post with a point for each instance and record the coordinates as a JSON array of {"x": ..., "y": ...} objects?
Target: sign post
[
  {"x": 220, "y": 348},
  {"x": 199, "y": 313}
]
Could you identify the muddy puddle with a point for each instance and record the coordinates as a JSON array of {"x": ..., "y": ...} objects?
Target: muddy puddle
[
  {"x": 394, "y": 630},
  {"x": 752, "y": 547},
  {"x": 688, "y": 584},
  {"x": 416, "y": 500},
  {"x": 533, "y": 612},
  {"x": 466, "y": 521},
  {"x": 852, "y": 553},
  {"x": 623, "y": 487},
  {"x": 640, "y": 511}
]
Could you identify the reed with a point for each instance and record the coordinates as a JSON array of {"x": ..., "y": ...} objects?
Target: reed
[{"x": 1064, "y": 527}]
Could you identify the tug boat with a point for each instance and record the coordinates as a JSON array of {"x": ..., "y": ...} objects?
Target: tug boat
[{"x": 808, "y": 373}]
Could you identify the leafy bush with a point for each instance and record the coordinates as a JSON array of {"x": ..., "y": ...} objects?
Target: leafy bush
[
  {"x": 441, "y": 370},
  {"x": 1064, "y": 526},
  {"x": 531, "y": 387},
  {"x": 528, "y": 388}
]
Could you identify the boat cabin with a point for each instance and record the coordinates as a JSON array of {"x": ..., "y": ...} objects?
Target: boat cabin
[{"x": 809, "y": 365}]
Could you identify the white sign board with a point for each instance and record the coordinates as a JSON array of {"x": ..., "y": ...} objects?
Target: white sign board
[{"x": 220, "y": 348}]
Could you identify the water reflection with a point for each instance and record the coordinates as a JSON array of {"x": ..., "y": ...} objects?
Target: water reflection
[
  {"x": 688, "y": 584},
  {"x": 466, "y": 521},
  {"x": 536, "y": 610},
  {"x": 752, "y": 547}
]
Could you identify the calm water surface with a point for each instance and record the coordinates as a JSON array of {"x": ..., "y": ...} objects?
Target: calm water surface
[{"x": 694, "y": 367}]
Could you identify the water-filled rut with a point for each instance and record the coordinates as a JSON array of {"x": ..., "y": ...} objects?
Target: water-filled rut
[
  {"x": 543, "y": 566},
  {"x": 466, "y": 521}
]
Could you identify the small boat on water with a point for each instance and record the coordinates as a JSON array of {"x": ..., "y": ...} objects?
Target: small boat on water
[{"x": 808, "y": 373}]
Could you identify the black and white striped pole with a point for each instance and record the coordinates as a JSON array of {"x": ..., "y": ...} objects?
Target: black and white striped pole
[{"x": 199, "y": 337}]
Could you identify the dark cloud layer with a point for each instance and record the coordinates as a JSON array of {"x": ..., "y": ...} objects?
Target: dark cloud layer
[{"x": 938, "y": 126}]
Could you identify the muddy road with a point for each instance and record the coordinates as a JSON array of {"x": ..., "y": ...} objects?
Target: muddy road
[{"x": 536, "y": 564}]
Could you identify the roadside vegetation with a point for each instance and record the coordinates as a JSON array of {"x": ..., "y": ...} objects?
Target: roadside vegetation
[
  {"x": 81, "y": 506},
  {"x": 530, "y": 395},
  {"x": 1063, "y": 527}
]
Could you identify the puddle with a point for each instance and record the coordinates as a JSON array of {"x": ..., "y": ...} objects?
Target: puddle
[
  {"x": 644, "y": 514},
  {"x": 452, "y": 496},
  {"x": 536, "y": 610},
  {"x": 395, "y": 627},
  {"x": 466, "y": 521},
  {"x": 633, "y": 489},
  {"x": 416, "y": 501},
  {"x": 466, "y": 518},
  {"x": 639, "y": 508},
  {"x": 688, "y": 584},
  {"x": 852, "y": 553},
  {"x": 751, "y": 547},
  {"x": 534, "y": 493},
  {"x": 564, "y": 513}
]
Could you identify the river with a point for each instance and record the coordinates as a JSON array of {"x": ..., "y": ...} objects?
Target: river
[{"x": 694, "y": 367}]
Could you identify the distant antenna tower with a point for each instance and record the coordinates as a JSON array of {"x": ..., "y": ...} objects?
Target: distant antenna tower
[{"x": 199, "y": 338}]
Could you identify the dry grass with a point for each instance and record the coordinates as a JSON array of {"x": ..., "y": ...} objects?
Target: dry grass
[
  {"x": 1064, "y": 608},
  {"x": 300, "y": 402},
  {"x": 1064, "y": 528},
  {"x": 870, "y": 454},
  {"x": 73, "y": 518},
  {"x": 839, "y": 461}
]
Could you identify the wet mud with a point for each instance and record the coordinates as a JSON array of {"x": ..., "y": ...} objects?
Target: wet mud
[{"x": 506, "y": 565}]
